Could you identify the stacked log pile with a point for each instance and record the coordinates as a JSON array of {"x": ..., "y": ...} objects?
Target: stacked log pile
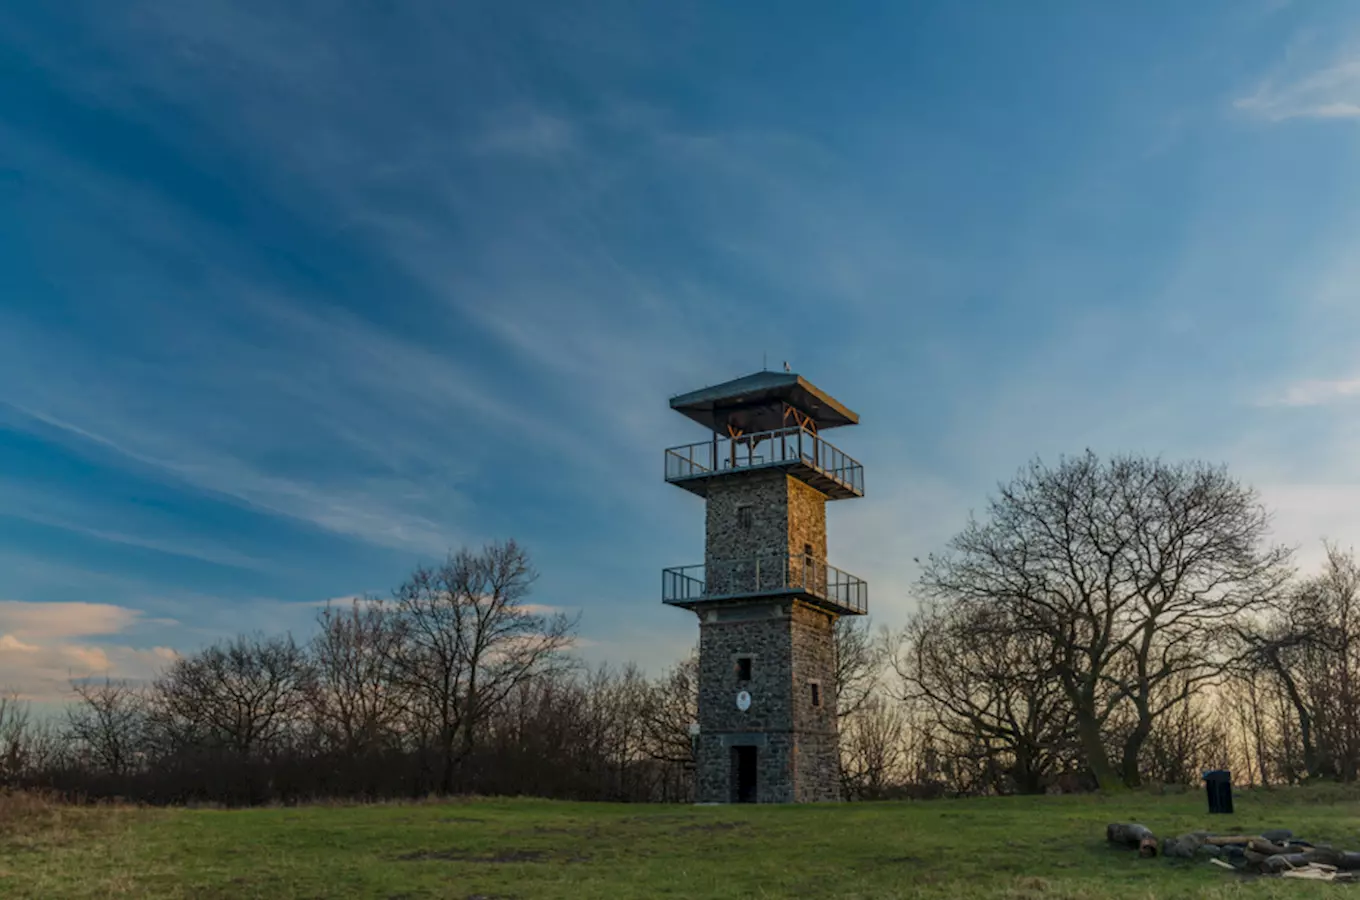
[{"x": 1268, "y": 853}]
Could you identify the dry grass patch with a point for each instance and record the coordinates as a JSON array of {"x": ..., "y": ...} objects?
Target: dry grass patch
[
  {"x": 28, "y": 816},
  {"x": 40, "y": 836}
]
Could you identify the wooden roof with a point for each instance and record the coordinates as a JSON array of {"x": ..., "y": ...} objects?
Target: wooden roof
[{"x": 757, "y": 401}]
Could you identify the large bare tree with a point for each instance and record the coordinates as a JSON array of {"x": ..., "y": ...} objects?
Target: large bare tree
[
  {"x": 1310, "y": 649},
  {"x": 352, "y": 698},
  {"x": 108, "y": 722},
  {"x": 990, "y": 686},
  {"x": 1132, "y": 571},
  {"x": 245, "y": 695},
  {"x": 466, "y": 639}
]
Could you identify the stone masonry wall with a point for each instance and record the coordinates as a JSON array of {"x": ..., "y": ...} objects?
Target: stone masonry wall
[
  {"x": 760, "y": 632},
  {"x": 786, "y": 516},
  {"x": 806, "y": 526},
  {"x": 731, "y": 547},
  {"x": 790, "y": 645},
  {"x": 813, "y": 652},
  {"x": 806, "y": 518}
]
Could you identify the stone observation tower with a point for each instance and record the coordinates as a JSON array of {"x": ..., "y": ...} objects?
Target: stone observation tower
[{"x": 766, "y": 599}]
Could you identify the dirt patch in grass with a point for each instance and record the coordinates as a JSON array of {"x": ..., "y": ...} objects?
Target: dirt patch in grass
[
  {"x": 457, "y": 854},
  {"x": 662, "y": 819},
  {"x": 712, "y": 827}
]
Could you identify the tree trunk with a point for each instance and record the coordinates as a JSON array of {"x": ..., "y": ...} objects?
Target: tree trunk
[
  {"x": 1312, "y": 762},
  {"x": 1088, "y": 730},
  {"x": 1133, "y": 749},
  {"x": 1028, "y": 780},
  {"x": 446, "y": 774}
]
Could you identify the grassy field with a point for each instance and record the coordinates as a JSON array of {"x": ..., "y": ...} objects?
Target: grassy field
[{"x": 1044, "y": 847}]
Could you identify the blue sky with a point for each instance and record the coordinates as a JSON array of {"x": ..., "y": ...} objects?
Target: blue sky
[{"x": 294, "y": 296}]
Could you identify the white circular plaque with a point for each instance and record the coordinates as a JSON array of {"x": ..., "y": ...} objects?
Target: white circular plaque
[{"x": 743, "y": 701}]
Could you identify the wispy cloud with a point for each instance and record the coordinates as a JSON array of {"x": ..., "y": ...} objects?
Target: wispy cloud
[
  {"x": 1329, "y": 93},
  {"x": 1318, "y": 392},
  {"x": 56, "y": 509},
  {"x": 529, "y": 133}
]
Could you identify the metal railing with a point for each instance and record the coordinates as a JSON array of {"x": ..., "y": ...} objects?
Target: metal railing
[
  {"x": 765, "y": 448},
  {"x": 765, "y": 575}
]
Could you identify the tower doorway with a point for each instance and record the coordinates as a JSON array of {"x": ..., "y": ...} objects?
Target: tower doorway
[{"x": 743, "y": 774}]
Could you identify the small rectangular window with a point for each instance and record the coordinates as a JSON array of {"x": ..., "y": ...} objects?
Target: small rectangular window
[
  {"x": 816, "y": 693},
  {"x": 745, "y": 516},
  {"x": 744, "y": 668}
]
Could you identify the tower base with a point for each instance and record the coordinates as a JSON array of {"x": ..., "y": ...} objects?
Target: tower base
[
  {"x": 767, "y": 767},
  {"x": 784, "y": 746}
]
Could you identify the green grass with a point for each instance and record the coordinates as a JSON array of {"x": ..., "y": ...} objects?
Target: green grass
[{"x": 1024, "y": 848}]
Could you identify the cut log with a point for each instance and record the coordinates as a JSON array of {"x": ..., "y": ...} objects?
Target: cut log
[
  {"x": 1223, "y": 840},
  {"x": 1261, "y": 845},
  {"x": 1325, "y": 855},
  {"x": 1128, "y": 834},
  {"x": 1183, "y": 847}
]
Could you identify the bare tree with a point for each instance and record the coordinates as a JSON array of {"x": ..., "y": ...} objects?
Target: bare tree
[
  {"x": 108, "y": 721},
  {"x": 14, "y": 728},
  {"x": 1132, "y": 570},
  {"x": 466, "y": 639},
  {"x": 672, "y": 705},
  {"x": 1310, "y": 648},
  {"x": 354, "y": 699},
  {"x": 873, "y": 749},
  {"x": 28, "y": 746},
  {"x": 990, "y": 686},
  {"x": 614, "y": 732},
  {"x": 244, "y": 695},
  {"x": 859, "y": 663}
]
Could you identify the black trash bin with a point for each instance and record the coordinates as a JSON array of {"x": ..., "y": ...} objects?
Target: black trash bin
[{"x": 1218, "y": 786}]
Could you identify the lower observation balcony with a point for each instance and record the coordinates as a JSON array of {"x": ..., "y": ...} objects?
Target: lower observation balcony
[
  {"x": 805, "y": 455},
  {"x": 809, "y": 579}
]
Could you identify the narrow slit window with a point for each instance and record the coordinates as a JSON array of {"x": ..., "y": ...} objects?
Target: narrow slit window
[
  {"x": 744, "y": 668},
  {"x": 745, "y": 516},
  {"x": 816, "y": 693}
]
